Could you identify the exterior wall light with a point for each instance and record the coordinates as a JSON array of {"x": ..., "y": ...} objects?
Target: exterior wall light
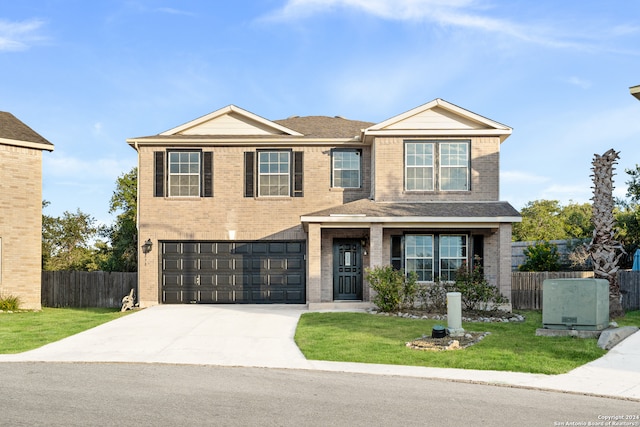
[{"x": 146, "y": 247}]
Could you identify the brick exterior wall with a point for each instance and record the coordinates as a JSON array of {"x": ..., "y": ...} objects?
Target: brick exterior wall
[
  {"x": 21, "y": 224},
  {"x": 389, "y": 172},
  {"x": 212, "y": 218}
]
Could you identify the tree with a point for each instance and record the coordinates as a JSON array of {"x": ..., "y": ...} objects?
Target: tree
[
  {"x": 541, "y": 220},
  {"x": 605, "y": 250},
  {"x": 543, "y": 256},
  {"x": 576, "y": 220},
  {"x": 122, "y": 254},
  {"x": 633, "y": 191},
  {"x": 66, "y": 241}
]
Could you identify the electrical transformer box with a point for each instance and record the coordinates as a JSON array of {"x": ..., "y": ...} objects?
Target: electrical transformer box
[{"x": 580, "y": 304}]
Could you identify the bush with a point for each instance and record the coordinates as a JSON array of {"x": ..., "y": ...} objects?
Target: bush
[
  {"x": 476, "y": 292},
  {"x": 393, "y": 288},
  {"x": 433, "y": 296},
  {"x": 9, "y": 303},
  {"x": 543, "y": 256}
]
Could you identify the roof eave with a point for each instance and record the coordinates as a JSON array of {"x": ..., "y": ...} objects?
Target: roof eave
[
  {"x": 27, "y": 144},
  {"x": 635, "y": 91},
  {"x": 133, "y": 142},
  {"x": 362, "y": 218}
]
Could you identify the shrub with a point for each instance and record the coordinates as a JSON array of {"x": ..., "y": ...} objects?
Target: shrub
[
  {"x": 476, "y": 292},
  {"x": 543, "y": 256},
  {"x": 433, "y": 296},
  {"x": 393, "y": 288},
  {"x": 9, "y": 303}
]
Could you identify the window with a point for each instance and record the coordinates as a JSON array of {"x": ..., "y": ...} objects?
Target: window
[
  {"x": 419, "y": 256},
  {"x": 279, "y": 173},
  {"x": 419, "y": 166},
  {"x": 454, "y": 166},
  {"x": 273, "y": 173},
  {"x": 432, "y": 256},
  {"x": 184, "y": 174},
  {"x": 451, "y": 164},
  {"x": 345, "y": 168},
  {"x": 453, "y": 253}
]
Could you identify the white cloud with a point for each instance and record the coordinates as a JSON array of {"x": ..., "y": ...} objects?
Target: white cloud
[
  {"x": 581, "y": 83},
  {"x": 17, "y": 36},
  {"x": 466, "y": 14}
]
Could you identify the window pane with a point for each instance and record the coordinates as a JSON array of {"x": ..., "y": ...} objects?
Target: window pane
[
  {"x": 454, "y": 166},
  {"x": 419, "y": 256},
  {"x": 273, "y": 173},
  {"x": 184, "y": 174},
  {"x": 419, "y": 166},
  {"x": 346, "y": 169},
  {"x": 453, "y": 253}
]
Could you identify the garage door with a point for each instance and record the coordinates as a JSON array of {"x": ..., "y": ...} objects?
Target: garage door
[{"x": 233, "y": 272}]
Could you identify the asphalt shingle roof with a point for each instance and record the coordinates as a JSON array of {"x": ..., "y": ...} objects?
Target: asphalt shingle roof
[
  {"x": 325, "y": 127},
  {"x": 14, "y": 129},
  {"x": 424, "y": 209}
]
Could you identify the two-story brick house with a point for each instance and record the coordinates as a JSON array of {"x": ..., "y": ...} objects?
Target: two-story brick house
[
  {"x": 236, "y": 208},
  {"x": 21, "y": 211}
]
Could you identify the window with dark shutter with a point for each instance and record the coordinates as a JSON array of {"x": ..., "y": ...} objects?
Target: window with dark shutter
[
  {"x": 298, "y": 168},
  {"x": 396, "y": 252},
  {"x": 207, "y": 169},
  {"x": 158, "y": 190},
  {"x": 249, "y": 157}
]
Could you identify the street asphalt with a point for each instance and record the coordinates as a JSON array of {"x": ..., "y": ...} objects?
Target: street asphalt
[{"x": 262, "y": 336}]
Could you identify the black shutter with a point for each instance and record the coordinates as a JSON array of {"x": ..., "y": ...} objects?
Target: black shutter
[
  {"x": 207, "y": 174},
  {"x": 158, "y": 187},
  {"x": 248, "y": 173},
  {"x": 396, "y": 252},
  {"x": 478, "y": 250},
  {"x": 298, "y": 174}
]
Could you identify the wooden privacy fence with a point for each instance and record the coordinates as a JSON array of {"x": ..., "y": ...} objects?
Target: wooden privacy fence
[
  {"x": 86, "y": 288},
  {"x": 526, "y": 287}
]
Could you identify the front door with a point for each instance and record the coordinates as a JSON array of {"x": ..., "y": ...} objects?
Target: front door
[{"x": 347, "y": 269}]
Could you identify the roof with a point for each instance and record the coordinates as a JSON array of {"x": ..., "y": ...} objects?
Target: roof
[
  {"x": 325, "y": 127},
  {"x": 15, "y": 132},
  {"x": 233, "y": 125},
  {"x": 366, "y": 210},
  {"x": 635, "y": 91}
]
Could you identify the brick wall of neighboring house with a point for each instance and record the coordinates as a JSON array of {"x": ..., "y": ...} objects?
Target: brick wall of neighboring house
[
  {"x": 389, "y": 172},
  {"x": 211, "y": 218},
  {"x": 21, "y": 224}
]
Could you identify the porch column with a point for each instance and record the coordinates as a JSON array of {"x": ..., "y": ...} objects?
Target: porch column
[
  {"x": 314, "y": 263},
  {"x": 375, "y": 245}
]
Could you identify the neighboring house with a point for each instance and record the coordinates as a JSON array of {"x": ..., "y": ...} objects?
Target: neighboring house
[
  {"x": 21, "y": 210},
  {"x": 635, "y": 91},
  {"x": 241, "y": 209}
]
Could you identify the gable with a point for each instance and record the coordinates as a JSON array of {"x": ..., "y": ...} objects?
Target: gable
[
  {"x": 232, "y": 121},
  {"x": 16, "y": 133},
  {"x": 439, "y": 118}
]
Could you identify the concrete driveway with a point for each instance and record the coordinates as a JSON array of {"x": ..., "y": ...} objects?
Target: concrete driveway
[
  {"x": 229, "y": 335},
  {"x": 262, "y": 336}
]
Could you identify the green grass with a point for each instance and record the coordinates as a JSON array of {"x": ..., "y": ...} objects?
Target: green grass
[
  {"x": 366, "y": 338},
  {"x": 26, "y": 330}
]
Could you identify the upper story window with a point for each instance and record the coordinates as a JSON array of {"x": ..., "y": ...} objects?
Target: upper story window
[
  {"x": 454, "y": 166},
  {"x": 419, "y": 166},
  {"x": 184, "y": 174},
  {"x": 274, "y": 173},
  {"x": 451, "y": 164},
  {"x": 345, "y": 168}
]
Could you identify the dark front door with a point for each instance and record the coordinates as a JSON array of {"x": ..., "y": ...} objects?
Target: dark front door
[{"x": 347, "y": 269}]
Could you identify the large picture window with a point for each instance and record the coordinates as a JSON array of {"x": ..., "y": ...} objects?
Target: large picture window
[
  {"x": 431, "y": 256},
  {"x": 273, "y": 173},
  {"x": 346, "y": 168},
  {"x": 447, "y": 171},
  {"x": 184, "y": 174}
]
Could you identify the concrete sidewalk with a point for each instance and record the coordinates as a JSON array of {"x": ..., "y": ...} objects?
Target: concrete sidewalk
[{"x": 262, "y": 336}]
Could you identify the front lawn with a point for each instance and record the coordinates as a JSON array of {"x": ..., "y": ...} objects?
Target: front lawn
[
  {"x": 22, "y": 331},
  {"x": 367, "y": 338}
]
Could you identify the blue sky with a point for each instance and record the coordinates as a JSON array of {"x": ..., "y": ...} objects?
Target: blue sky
[{"x": 89, "y": 74}]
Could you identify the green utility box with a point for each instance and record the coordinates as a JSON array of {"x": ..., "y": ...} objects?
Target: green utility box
[{"x": 580, "y": 304}]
